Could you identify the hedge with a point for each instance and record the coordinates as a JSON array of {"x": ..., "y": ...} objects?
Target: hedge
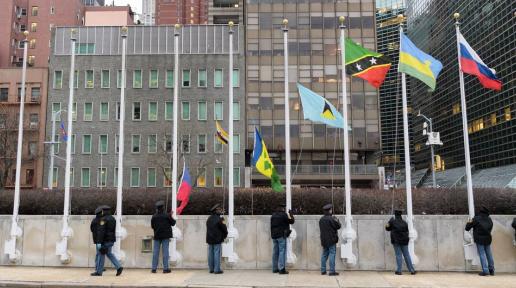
[{"x": 262, "y": 201}]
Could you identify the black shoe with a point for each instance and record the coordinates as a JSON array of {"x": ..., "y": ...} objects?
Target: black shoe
[
  {"x": 283, "y": 272},
  {"x": 119, "y": 271},
  {"x": 491, "y": 272},
  {"x": 95, "y": 274},
  {"x": 166, "y": 271},
  {"x": 219, "y": 272},
  {"x": 211, "y": 272},
  {"x": 323, "y": 273},
  {"x": 482, "y": 274},
  {"x": 153, "y": 271},
  {"x": 397, "y": 273},
  {"x": 275, "y": 271},
  {"x": 413, "y": 272},
  {"x": 333, "y": 274}
]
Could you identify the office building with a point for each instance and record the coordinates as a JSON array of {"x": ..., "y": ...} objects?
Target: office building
[
  {"x": 181, "y": 11},
  {"x": 148, "y": 12}
]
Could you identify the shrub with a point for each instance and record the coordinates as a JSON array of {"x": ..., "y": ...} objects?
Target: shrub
[{"x": 262, "y": 201}]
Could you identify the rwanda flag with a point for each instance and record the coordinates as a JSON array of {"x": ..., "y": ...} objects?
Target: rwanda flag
[
  {"x": 263, "y": 163},
  {"x": 417, "y": 63},
  {"x": 318, "y": 109},
  {"x": 368, "y": 65}
]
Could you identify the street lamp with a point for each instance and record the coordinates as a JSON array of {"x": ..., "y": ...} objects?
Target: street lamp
[{"x": 433, "y": 139}]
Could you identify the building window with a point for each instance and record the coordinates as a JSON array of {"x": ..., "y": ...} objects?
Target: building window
[
  {"x": 103, "y": 144},
  {"x": 202, "y": 113},
  {"x": 507, "y": 113},
  {"x": 169, "y": 111},
  {"x": 135, "y": 143},
  {"x": 218, "y": 110},
  {"x": 201, "y": 143},
  {"x": 137, "y": 116},
  {"x": 104, "y": 111},
  {"x": 135, "y": 177},
  {"x": 56, "y": 146},
  {"x": 88, "y": 112},
  {"x": 86, "y": 144},
  {"x": 167, "y": 177},
  {"x": 90, "y": 81},
  {"x": 151, "y": 177},
  {"x": 168, "y": 143},
  {"x": 493, "y": 119},
  {"x": 236, "y": 143},
  {"x": 102, "y": 177},
  {"x": 34, "y": 27},
  {"x": 236, "y": 111},
  {"x": 201, "y": 177},
  {"x": 58, "y": 79},
  {"x": 32, "y": 44},
  {"x": 217, "y": 146},
  {"x": 33, "y": 149},
  {"x": 218, "y": 78},
  {"x": 137, "y": 79},
  {"x": 456, "y": 108},
  {"x": 236, "y": 176},
  {"x": 236, "y": 78},
  {"x": 76, "y": 79},
  {"x": 72, "y": 177},
  {"x": 85, "y": 177},
  {"x": 55, "y": 177},
  {"x": 31, "y": 60},
  {"x": 152, "y": 141},
  {"x": 202, "y": 78},
  {"x": 73, "y": 144},
  {"x": 417, "y": 147},
  {"x": 169, "y": 83},
  {"x": 52, "y": 10},
  {"x": 34, "y": 11},
  {"x": 56, "y": 107},
  {"x": 185, "y": 110},
  {"x": 115, "y": 177},
  {"x": 105, "y": 81},
  {"x": 185, "y": 143},
  {"x": 85, "y": 48},
  {"x": 74, "y": 111},
  {"x": 153, "y": 111},
  {"x": 117, "y": 108},
  {"x": 35, "y": 94},
  {"x": 119, "y": 79},
  {"x": 153, "y": 79},
  {"x": 218, "y": 177},
  {"x": 4, "y": 94},
  {"x": 186, "y": 78},
  {"x": 116, "y": 144}
]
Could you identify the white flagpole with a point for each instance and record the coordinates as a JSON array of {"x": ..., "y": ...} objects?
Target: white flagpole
[
  {"x": 175, "y": 256},
  {"x": 16, "y": 231},
  {"x": 291, "y": 257},
  {"x": 121, "y": 232},
  {"x": 408, "y": 183},
  {"x": 348, "y": 233}
]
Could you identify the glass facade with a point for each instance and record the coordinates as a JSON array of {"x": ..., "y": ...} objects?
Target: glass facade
[{"x": 489, "y": 28}]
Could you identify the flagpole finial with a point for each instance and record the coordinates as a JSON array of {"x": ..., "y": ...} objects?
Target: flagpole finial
[
  {"x": 456, "y": 16},
  {"x": 123, "y": 32},
  {"x": 230, "y": 23},
  {"x": 341, "y": 20}
]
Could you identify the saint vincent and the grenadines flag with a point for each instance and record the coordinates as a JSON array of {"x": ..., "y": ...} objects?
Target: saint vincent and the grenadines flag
[
  {"x": 263, "y": 163},
  {"x": 368, "y": 65}
]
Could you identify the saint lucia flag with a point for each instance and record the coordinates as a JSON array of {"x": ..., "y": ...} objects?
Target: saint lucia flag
[
  {"x": 263, "y": 163},
  {"x": 318, "y": 109}
]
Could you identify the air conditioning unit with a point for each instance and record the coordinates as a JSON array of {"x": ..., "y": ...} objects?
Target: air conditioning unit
[{"x": 33, "y": 125}]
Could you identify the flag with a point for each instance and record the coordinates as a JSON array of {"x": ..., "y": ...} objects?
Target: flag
[
  {"x": 318, "y": 109},
  {"x": 222, "y": 136},
  {"x": 263, "y": 163},
  {"x": 470, "y": 63},
  {"x": 418, "y": 64},
  {"x": 185, "y": 188},
  {"x": 368, "y": 65},
  {"x": 63, "y": 132}
]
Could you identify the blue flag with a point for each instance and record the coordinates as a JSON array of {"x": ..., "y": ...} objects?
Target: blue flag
[{"x": 318, "y": 109}]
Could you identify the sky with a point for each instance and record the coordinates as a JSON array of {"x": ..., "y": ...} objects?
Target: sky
[{"x": 136, "y": 5}]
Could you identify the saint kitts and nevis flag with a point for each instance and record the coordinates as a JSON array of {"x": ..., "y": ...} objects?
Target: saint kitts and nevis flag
[
  {"x": 368, "y": 65},
  {"x": 263, "y": 163}
]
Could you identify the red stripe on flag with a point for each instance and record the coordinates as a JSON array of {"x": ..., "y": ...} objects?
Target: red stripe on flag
[
  {"x": 375, "y": 75},
  {"x": 469, "y": 66}
]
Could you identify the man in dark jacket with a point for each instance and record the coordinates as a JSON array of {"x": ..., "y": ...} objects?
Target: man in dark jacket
[
  {"x": 482, "y": 226},
  {"x": 514, "y": 227},
  {"x": 161, "y": 223},
  {"x": 280, "y": 230},
  {"x": 216, "y": 232},
  {"x": 329, "y": 225},
  {"x": 108, "y": 237},
  {"x": 400, "y": 239},
  {"x": 96, "y": 232}
]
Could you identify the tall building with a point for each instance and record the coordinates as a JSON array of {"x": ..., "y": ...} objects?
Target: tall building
[
  {"x": 489, "y": 27},
  {"x": 148, "y": 126},
  {"x": 181, "y": 11},
  {"x": 33, "y": 127},
  {"x": 37, "y": 17},
  {"x": 391, "y": 117},
  {"x": 317, "y": 150},
  {"x": 148, "y": 12},
  {"x": 223, "y": 11},
  {"x": 94, "y": 2}
]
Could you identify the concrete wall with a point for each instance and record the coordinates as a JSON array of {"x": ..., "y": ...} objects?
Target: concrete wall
[{"x": 439, "y": 245}]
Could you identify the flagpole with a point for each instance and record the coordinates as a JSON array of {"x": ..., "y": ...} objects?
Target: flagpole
[
  {"x": 175, "y": 256},
  {"x": 348, "y": 233},
  {"x": 408, "y": 179},
  {"x": 66, "y": 231},
  {"x": 121, "y": 233}
]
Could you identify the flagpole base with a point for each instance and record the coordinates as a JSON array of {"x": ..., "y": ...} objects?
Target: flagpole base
[
  {"x": 470, "y": 249},
  {"x": 411, "y": 247},
  {"x": 175, "y": 256},
  {"x": 346, "y": 251},
  {"x": 291, "y": 256}
]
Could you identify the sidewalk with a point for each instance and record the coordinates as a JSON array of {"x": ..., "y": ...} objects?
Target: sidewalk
[{"x": 79, "y": 277}]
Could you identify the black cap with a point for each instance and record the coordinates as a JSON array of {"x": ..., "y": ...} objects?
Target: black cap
[
  {"x": 98, "y": 210},
  {"x": 159, "y": 204},
  {"x": 327, "y": 207},
  {"x": 484, "y": 209},
  {"x": 105, "y": 207},
  {"x": 214, "y": 207},
  {"x": 398, "y": 212},
  {"x": 282, "y": 205}
]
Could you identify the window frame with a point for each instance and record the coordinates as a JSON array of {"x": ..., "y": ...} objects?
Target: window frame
[
  {"x": 215, "y": 177},
  {"x": 155, "y": 176},
  {"x": 108, "y": 78},
  {"x": 199, "y": 78},
  {"x": 157, "y": 79},
  {"x": 82, "y": 177},
  {"x": 189, "y": 78},
  {"x": 182, "y": 110},
  {"x": 100, "y": 144},
  {"x": 205, "y": 118},
  {"x": 205, "y": 144},
  {"x": 100, "y": 177},
  {"x": 89, "y": 119},
  {"x": 86, "y": 79},
  {"x": 149, "y": 111},
  {"x": 155, "y": 144},
  {"x": 133, "y": 111},
  {"x": 131, "y": 178},
  {"x": 91, "y": 142},
  {"x": 215, "y": 111},
  {"x": 100, "y": 111},
  {"x": 60, "y": 79},
  {"x": 221, "y": 79},
  {"x": 141, "y": 79},
  {"x": 139, "y": 143}
]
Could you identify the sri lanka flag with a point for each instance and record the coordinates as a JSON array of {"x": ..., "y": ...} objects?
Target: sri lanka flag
[
  {"x": 470, "y": 63},
  {"x": 368, "y": 65},
  {"x": 63, "y": 132},
  {"x": 185, "y": 188},
  {"x": 263, "y": 163}
]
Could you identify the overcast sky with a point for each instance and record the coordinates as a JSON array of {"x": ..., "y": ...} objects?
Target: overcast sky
[{"x": 136, "y": 5}]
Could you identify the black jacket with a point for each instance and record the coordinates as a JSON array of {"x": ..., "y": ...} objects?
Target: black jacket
[
  {"x": 399, "y": 231},
  {"x": 216, "y": 230},
  {"x": 329, "y": 226},
  {"x": 280, "y": 225},
  {"x": 482, "y": 226},
  {"x": 97, "y": 230},
  {"x": 514, "y": 226},
  {"x": 162, "y": 223},
  {"x": 109, "y": 223}
]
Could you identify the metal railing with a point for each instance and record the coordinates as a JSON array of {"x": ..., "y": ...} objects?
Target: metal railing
[{"x": 327, "y": 169}]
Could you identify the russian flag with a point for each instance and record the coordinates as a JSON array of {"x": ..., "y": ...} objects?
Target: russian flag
[
  {"x": 472, "y": 64},
  {"x": 63, "y": 131},
  {"x": 185, "y": 188}
]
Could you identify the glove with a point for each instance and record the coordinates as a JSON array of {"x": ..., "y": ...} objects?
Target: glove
[{"x": 103, "y": 250}]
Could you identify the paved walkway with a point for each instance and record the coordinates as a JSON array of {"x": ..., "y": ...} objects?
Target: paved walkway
[{"x": 79, "y": 277}]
